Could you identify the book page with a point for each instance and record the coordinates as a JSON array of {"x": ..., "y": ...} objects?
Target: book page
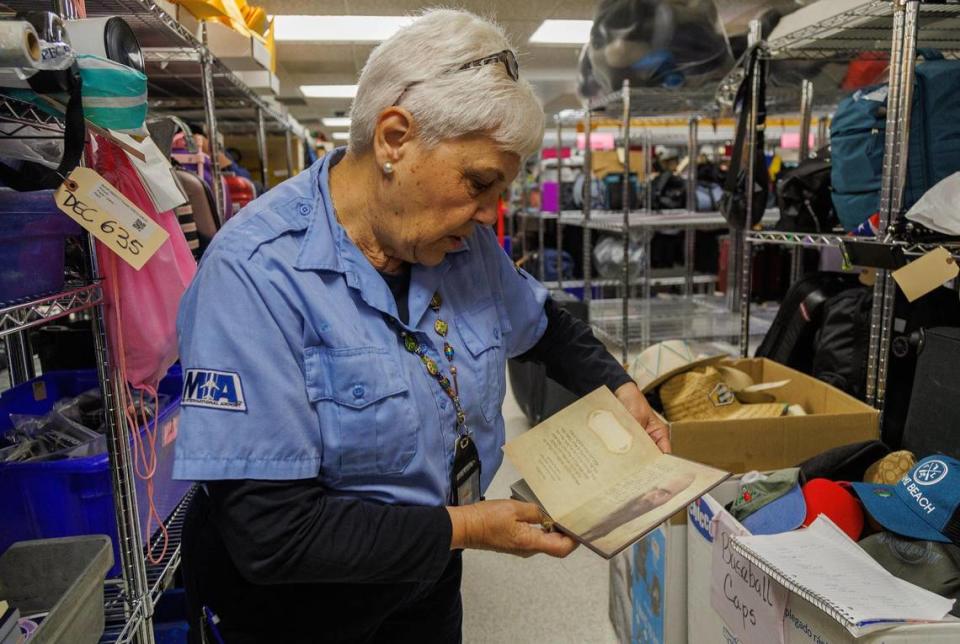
[
  {"x": 815, "y": 562},
  {"x": 639, "y": 502},
  {"x": 581, "y": 452}
]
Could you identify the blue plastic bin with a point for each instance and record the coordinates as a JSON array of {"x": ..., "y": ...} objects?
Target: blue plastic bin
[
  {"x": 32, "y": 234},
  {"x": 75, "y": 496}
]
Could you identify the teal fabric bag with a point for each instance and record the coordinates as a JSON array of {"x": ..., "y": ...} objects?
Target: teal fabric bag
[{"x": 114, "y": 95}]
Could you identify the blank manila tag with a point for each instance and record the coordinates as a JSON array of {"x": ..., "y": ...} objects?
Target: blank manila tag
[
  {"x": 121, "y": 226},
  {"x": 923, "y": 275}
]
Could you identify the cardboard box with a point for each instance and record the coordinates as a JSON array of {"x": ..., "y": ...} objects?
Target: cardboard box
[
  {"x": 803, "y": 622},
  {"x": 237, "y": 51},
  {"x": 180, "y": 14},
  {"x": 261, "y": 82},
  {"x": 738, "y": 446},
  {"x": 647, "y": 604}
]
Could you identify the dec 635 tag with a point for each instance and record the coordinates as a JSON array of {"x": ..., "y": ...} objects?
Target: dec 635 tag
[{"x": 105, "y": 213}]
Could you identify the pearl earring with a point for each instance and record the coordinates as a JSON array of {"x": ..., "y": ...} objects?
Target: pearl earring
[{"x": 387, "y": 168}]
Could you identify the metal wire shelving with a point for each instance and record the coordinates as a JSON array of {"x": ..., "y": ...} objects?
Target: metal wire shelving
[{"x": 843, "y": 29}]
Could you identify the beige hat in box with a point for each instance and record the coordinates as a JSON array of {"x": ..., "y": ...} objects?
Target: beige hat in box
[
  {"x": 660, "y": 362},
  {"x": 702, "y": 394}
]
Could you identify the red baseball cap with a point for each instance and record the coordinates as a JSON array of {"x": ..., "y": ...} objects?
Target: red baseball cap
[{"x": 824, "y": 496}]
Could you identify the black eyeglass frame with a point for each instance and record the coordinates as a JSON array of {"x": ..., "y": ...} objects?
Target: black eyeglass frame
[{"x": 507, "y": 57}]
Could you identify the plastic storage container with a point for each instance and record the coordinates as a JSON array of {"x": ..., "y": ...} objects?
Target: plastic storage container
[
  {"x": 62, "y": 577},
  {"x": 32, "y": 233},
  {"x": 75, "y": 496}
]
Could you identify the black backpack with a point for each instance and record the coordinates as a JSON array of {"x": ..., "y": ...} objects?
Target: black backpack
[
  {"x": 842, "y": 343},
  {"x": 803, "y": 195},
  {"x": 823, "y": 329}
]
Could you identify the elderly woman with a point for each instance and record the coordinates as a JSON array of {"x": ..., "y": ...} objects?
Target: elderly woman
[{"x": 344, "y": 348}]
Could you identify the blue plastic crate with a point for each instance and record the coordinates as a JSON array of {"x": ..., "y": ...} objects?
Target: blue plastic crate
[
  {"x": 32, "y": 233},
  {"x": 75, "y": 496}
]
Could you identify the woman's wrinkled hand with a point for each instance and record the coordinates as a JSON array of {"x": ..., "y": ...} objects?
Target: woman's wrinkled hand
[
  {"x": 630, "y": 397},
  {"x": 507, "y": 526}
]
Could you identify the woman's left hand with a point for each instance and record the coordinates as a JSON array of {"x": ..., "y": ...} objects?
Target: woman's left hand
[{"x": 632, "y": 398}]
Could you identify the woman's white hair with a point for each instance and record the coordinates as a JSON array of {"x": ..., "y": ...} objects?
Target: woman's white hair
[{"x": 418, "y": 62}]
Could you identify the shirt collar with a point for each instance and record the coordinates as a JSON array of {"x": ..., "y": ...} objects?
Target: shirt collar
[{"x": 326, "y": 246}]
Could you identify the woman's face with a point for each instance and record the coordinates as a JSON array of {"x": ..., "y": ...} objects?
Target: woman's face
[{"x": 438, "y": 195}]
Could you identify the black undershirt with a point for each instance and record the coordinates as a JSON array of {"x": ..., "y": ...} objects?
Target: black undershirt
[{"x": 293, "y": 532}]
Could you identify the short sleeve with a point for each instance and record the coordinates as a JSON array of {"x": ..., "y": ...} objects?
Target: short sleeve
[
  {"x": 245, "y": 412},
  {"x": 521, "y": 298}
]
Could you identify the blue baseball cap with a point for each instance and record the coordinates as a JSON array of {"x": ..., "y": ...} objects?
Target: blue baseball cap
[{"x": 929, "y": 492}]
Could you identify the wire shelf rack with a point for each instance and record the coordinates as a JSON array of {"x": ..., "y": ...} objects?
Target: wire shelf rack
[
  {"x": 846, "y": 28},
  {"x": 22, "y": 316},
  {"x": 816, "y": 240},
  {"x": 160, "y": 575},
  {"x": 699, "y": 317}
]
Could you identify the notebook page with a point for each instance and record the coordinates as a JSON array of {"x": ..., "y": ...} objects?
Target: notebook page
[{"x": 816, "y": 561}]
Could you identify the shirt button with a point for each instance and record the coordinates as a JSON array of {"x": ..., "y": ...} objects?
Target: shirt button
[
  {"x": 443, "y": 404},
  {"x": 496, "y": 333},
  {"x": 358, "y": 392},
  {"x": 304, "y": 209}
]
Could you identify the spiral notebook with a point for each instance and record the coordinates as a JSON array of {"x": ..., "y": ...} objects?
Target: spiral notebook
[{"x": 825, "y": 567}]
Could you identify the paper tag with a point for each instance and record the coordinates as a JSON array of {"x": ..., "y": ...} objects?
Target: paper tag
[
  {"x": 921, "y": 276},
  {"x": 92, "y": 202},
  {"x": 749, "y": 602}
]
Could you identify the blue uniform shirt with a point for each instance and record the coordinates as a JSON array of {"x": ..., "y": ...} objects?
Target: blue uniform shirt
[{"x": 292, "y": 371}]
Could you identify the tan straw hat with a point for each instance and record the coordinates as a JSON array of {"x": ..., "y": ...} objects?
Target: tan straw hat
[
  {"x": 662, "y": 361},
  {"x": 702, "y": 394}
]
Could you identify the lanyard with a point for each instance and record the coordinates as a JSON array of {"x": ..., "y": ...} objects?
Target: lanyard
[{"x": 451, "y": 388}]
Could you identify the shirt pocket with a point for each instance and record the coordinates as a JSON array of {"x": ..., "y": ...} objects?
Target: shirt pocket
[
  {"x": 480, "y": 332},
  {"x": 360, "y": 393}
]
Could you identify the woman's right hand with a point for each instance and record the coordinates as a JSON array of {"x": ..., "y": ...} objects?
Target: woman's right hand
[{"x": 506, "y": 526}]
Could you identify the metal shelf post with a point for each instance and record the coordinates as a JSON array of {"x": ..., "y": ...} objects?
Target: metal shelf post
[
  {"x": 210, "y": 117},
  {"x": 587, "y": 198},
  {"x": 806, "y": 115},
  {"x": 690, "y": 235},
  {"x": 743, "y": 247},
  {"x": 559, "y": 228},
  {"x": 894, "y": 180},
  {"x": 262, "y": 148},
  {"x": 541, "y": 264},
  {"x": 288, "y": 140},
  {"x": 626, "y": 221},
  {"x": 121, "y": 469}
]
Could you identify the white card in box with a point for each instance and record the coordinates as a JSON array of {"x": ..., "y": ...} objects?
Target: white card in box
[
  {"x": 648, "y": 602},
  {"x": 803, "y": 622}
]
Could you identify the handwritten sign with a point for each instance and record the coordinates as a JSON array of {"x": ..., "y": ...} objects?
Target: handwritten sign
[
  {"x": 92, "y": 202},
  {"x": 749, "y": 601}
]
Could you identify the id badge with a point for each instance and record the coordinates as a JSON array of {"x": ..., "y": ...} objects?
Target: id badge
[{"x": 465, "y": 479}]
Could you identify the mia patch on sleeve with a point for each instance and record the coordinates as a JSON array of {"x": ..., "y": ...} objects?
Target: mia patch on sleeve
[{"x": 213, "y": 389}]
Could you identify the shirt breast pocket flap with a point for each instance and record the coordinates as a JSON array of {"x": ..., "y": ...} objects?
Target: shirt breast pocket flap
[
  {"x": 480, "y": 333},
  {"x": 361, "y": 392}
]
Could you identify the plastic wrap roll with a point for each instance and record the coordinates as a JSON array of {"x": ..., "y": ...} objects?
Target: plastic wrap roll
[
  {"x": 108, "y": 37},
  {"x": 55, "y": 51},
  {"x": 19, "y": 44}
]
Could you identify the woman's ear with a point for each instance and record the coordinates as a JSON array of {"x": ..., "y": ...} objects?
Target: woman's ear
[{"x": 392, "y": 136}]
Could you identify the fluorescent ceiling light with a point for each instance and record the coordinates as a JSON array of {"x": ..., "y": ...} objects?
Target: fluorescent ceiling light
[
  {"x": 562, "y": 32},
  {"x": 329, "y": 91},
  {"x": 341, "y": 136},
  {"x": 336, "y": 121},
  {"x": 337, "y": 28}
]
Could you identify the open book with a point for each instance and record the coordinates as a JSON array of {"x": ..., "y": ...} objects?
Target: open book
[
  {"x": 600, "y": 478},
  {"x": 829, "y": 570}
]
